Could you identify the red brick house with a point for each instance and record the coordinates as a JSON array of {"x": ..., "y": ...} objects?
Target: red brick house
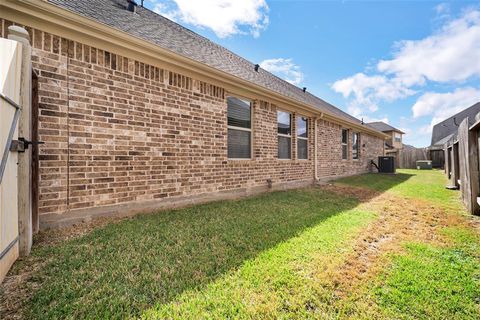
[{"x": 139, "y": 113}]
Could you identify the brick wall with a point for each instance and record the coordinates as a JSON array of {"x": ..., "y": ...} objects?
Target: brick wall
[
  {"x": 330, "y": 162},
  {"x": 121, "y": 131}
]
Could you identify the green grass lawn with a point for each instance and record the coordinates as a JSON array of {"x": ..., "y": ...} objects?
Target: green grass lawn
[
  {"x": 432, "y": 283},
  {"x": 125, "y": 268},
  {"x": 427, "y": 185},
  {"x": 257, "y": 258}
]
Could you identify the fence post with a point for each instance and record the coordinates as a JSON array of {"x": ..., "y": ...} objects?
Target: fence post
[
  {"x": 447, "y": 164},
  {"x": 20, "y": 35}
]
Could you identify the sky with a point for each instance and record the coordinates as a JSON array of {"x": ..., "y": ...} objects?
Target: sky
[{"x": 411, "y": 64}]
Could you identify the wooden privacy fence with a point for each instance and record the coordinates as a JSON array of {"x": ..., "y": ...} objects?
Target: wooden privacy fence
[
  {"x": 462, "y": 163},
  {"x": 408, "y": 157},
  {"x": 438, "y": 158}
]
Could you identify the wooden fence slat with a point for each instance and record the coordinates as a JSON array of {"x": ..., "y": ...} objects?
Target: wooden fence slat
[{"x": 468, "y": 163}]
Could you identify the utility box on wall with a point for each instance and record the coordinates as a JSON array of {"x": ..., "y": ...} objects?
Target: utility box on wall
[{"x": 386, "y": 164}]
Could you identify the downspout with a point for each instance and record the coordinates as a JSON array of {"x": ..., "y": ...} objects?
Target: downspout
[{"x": 316, "y": 147}]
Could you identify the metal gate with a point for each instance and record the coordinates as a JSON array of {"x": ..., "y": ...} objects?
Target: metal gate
[{"x": 10, "y": 75}]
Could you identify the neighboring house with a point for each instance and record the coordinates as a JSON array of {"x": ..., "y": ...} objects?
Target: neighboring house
[
  {"x": 139, "y": 113},
  {"x": 394, "y": 142},
  {"x": 446, "y": 130}
]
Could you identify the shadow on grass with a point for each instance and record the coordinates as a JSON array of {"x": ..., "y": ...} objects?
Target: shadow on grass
[
  {"x": 122, "y": 269},
  {"x": 376, "y": 181}
]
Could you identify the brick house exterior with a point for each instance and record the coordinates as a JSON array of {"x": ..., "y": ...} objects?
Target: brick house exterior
[{"x": 124, "y": 134}]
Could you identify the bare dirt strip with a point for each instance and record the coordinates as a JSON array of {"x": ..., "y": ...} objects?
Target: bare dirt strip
[{"x": 400, "y": 220}]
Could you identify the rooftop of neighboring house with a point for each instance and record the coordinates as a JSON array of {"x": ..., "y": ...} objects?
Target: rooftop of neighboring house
[
  {"x": 445, "y": 130},
  {"x": 384, "y": 127},
  {"x": 154, "y": 28}
]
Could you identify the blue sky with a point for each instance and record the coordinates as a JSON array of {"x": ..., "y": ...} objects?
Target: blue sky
[{"x": 408, "y": 63}]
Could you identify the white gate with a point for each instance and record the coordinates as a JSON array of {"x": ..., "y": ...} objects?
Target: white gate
[{"x": 10, "y": 74}]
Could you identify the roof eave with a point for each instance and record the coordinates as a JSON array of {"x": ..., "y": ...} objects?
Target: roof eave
[{"x": 63, "y": 22}]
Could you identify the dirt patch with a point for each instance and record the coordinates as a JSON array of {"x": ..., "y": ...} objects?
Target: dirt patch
[
  {"x": 55, "y": 236},
  {"x": 361, "y": 194},
  {"x": 400, "y": 220},
  {"x": 16, "y": 288}
]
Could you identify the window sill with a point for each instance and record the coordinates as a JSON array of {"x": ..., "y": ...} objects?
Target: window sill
[{"x": 239, "y": 159}]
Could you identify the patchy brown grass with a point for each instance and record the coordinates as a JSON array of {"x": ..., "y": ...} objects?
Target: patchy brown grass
[
  {"x": 361, "y": 194},
  {"x": 54, "y": 236},
  {"x": 400, "y": 220}
]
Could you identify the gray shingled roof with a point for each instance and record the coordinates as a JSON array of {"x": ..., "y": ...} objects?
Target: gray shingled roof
[
  {"x": 449, "y": 127},
  {"x": 384, "y": 127},
  {"x": 169, "y": 35}
]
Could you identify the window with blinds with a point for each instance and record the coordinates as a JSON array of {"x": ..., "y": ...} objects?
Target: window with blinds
[
  {"x": 356, "y": 145},
  {"x": 239, "y": 114},
  {"x": 344, "y": 144},
  {"x": 398, "y": 137},
  {"x": 284, "y": 124},
  {"x": 302, "y": 138}
]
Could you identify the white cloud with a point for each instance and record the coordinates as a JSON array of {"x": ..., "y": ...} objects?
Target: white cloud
[
  {"x": 443, "y": 105},
  {"x": 224, "y": 17},
  {"x": 284, "y": 68},
  {"x": 451, "y": 55},
  {"x": 418, "y": 136},
  {"x": 368, "y": 119},
  {"x": 443, "y": 8},
  {"x": 165, "y": 10},
  {"x": 425, "y": 130},
  {"x": 367, "y": 91},
  {"x": 355, "y": 110},
  {"x": 405, "y": 129},
  {"x": 438, "y": 106}
]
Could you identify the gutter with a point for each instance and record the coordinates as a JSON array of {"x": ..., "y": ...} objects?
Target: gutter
[{"x": 65, "y": 23}]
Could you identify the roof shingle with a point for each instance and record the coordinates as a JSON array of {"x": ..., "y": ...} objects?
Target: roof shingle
[
  {"x": 384, "y": 127},
  {"x": 169, "y": 35},
  {"x": 449, "y": 127}
]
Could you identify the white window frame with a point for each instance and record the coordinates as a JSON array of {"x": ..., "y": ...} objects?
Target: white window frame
[
  {"x": 285, "y": 135},
  {"x": 302, "y": 138},
  {"x": 242, "y": 128}
]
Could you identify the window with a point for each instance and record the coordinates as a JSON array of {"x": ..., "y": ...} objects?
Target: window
[
  {"x": 356, "y": 145},
  {"x": 239, "y": 114},
  {"x": 302, "y": 138},
  {"x": 344, "y": 144},
  {"x": 398, "y": 137},
  {"x": 284, "y": 121}
]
